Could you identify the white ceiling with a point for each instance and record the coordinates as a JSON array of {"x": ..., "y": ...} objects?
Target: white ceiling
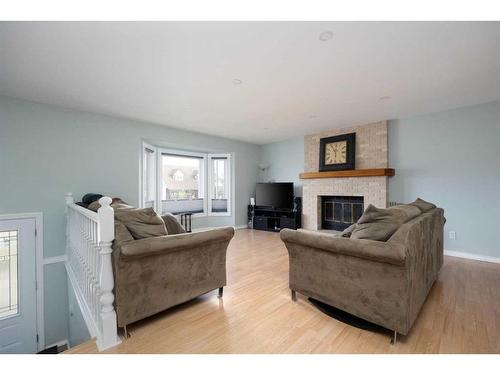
[{"x": 180, "y": 74}]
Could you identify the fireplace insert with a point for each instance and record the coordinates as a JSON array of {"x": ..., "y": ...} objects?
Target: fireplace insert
[{"x": 339, "y": 212}]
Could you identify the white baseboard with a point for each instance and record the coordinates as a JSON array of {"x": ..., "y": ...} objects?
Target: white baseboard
[
  {"x": 241, "y": 227},
  {"x": 236, "y": 227},
  {"x": 482, "y": 258}
]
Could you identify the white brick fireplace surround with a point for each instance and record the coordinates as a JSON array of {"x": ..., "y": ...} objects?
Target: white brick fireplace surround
[{"x": 371, "y": 152}]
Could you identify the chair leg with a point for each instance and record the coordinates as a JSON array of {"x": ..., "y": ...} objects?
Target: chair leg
[
  {"x": 221, "y": 291},
  {"x": 125, "y": 332},
  {"x": 394, "y": 338},
  {"x": 294, "y": 296}
]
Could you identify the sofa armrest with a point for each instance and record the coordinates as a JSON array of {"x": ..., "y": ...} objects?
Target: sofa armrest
[
  {"x": 176, "y": 242},
  {"x": 376, "y": 251}
]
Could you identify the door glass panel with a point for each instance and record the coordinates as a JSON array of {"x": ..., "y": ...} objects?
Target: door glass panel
[{"x": 8, "y": 273}]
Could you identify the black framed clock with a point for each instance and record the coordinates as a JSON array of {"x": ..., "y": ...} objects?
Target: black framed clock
[{"x": 337, "y": 153}]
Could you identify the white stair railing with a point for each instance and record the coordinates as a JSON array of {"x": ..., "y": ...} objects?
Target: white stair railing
[{"x": 89, "y": 236}]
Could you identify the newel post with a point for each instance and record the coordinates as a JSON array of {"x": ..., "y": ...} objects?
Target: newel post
[
  {"x": 69, "y": 199},
  {"x": 109, "y": 336}
]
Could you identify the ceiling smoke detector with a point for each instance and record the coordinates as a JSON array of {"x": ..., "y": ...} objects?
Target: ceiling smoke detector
[{"x": 325, "y": 35}]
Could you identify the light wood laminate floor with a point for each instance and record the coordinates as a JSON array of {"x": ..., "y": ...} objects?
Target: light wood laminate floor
[{"x": 256, "y": 315}]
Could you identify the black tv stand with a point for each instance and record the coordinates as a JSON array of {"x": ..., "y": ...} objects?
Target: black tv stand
[{"x": 275, "y": 219}]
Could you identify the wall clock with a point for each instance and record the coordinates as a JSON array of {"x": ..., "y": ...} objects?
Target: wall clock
[{"x": 337, "y": 153}]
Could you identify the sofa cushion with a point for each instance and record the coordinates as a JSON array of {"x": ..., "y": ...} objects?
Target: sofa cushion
[
  {"x": 348, "y": 231},
  {"x": 141, "y": 222},
  {"x": 423, "y": 205},
  {"x": 122, "y": 234},
  {"x": 118, "y": 203},
  {"x": 408, "y": 210},
  {"x": 173, "y": 226},
  {"x": 380, "y": 223},
  {"x": 94, "y": 206}
]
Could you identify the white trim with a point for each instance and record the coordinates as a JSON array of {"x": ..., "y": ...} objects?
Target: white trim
[
  {"x": 56, "y": 259},
  {"x": 479, "y": 257},
  {"x": 203, "y": 187},
  {"x": 145, "y": 145},
  {"x": 222, "y": 226},
  {"x": 40, "y": 323},
  {"x": 229, "y": 182}
]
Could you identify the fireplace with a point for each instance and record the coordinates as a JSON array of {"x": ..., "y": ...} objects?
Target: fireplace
[{"x": 339, "y": 212}]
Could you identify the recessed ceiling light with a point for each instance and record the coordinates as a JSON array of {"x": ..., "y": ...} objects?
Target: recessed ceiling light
[
  {"x": 384, "y": 98},
  {"x": 325, "y": 35},
  {"x": 237, "y": 81}
]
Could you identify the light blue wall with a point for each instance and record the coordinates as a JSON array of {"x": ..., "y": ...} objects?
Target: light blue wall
[
  {"x": 46, "y": 151},
  {"x": 55, "y": 303},
  {"x": 285, "y": 160},
  {"x": 77, "y": 329},
  {"x": 452, "y": 158}
]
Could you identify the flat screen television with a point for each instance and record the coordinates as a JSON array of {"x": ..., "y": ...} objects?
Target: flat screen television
[{"x": 274, "y": 194}]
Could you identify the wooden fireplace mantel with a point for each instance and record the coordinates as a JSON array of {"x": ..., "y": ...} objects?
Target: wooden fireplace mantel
[{"x": 376, "y": 172}]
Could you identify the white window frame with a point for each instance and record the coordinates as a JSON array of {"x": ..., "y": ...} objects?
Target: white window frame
[
  {"x": 149, "y": 146},
  {"x": 205, "y": 175},
  {"x": 228, "y": 182},
  {"x": 161, "y": 151}
]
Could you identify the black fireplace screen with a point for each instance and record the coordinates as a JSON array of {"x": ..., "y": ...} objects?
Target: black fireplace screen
[{"x": 339, "y": 212}]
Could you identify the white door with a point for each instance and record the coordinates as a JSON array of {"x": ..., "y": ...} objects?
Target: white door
[{"x": 18, "y": 333}]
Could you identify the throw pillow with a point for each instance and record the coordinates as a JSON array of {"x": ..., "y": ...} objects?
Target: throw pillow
[
  {"x": 122, "y": 233},
  {"x": 141, "y": 222},
  {"x": 347, "y": 233},
  {"x": 409, "y": 211},
  {"x": 118, "y": 203},
  {"x": 378, "y": 223},
  {"x": 173, "y": 226},
  {"x": 423, "y": 205},
  {"x": 94, "y": 206}
]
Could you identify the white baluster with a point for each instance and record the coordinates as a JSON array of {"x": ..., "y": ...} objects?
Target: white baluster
[
  {"x": 88, "y": 248},
  {"x": 109, "y": 335}
]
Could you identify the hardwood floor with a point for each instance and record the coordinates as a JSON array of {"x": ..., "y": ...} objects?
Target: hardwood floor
[{"x": 256, "y": 315}]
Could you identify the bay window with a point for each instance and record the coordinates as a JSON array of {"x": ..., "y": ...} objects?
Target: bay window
[{"x": 176, "y": 181}]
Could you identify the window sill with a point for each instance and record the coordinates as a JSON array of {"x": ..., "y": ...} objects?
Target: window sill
[
  {"x": 205, "y": 214},
  {"x": 227, "y": 214}
]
